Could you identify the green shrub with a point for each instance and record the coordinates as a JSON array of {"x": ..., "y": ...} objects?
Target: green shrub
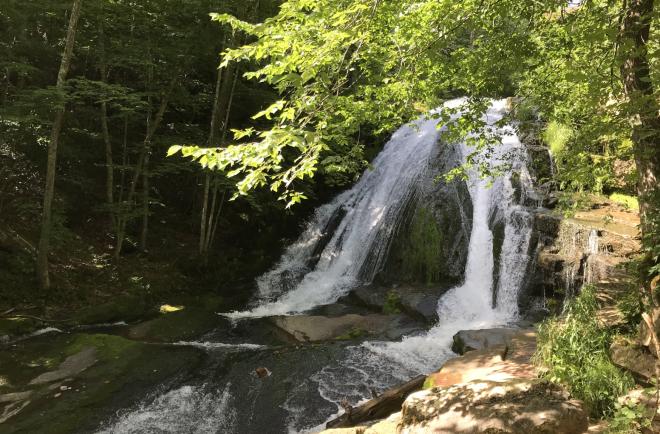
[
  {"x": 556, "y": 135},
  {"x": 630, "y": 202},
  {"x": 575, "y": 351},
  {"x": 629, "y": 418}
]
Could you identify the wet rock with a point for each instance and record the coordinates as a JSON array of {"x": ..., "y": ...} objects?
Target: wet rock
[
  {"x": 516, "y": 406},
  {"x": 469, "y": 340},
  {"x": 419, "y": 302},
  {"x": 15, "y": 397},
  {"x": 70, "y": 367},
  {"x": 262, "y": 372},
  {"x": 314, "y": 328},
  {"x": 637, "y": 360}
]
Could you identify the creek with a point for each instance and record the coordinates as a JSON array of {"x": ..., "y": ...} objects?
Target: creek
[{"x": 252, "y": 381}]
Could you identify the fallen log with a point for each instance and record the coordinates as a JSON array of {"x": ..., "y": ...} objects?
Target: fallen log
[{"x": 379, "y": 407}]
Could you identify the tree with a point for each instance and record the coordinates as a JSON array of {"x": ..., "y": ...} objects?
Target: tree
[
  {"x": 644, "y": 113},
  {"x": 46, "y": 224}
]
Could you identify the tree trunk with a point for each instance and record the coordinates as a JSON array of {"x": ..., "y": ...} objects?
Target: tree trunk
[
  {"x": 109, "y": 166},
  {"x": 139, "y": 166},
  {"x": 643, "y": 111},
  {"x": 49, "y": 191},
  {"x": 205, "y": 204},
  {"x": 145, "y": 202},
  {"x": 205, "y": 224},
  {"x": 379, "y": 407}
]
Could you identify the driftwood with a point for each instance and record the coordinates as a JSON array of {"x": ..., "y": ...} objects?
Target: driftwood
[{"x": 379, "y": 407}]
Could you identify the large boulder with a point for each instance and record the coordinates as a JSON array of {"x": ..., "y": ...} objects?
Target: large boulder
[
  {"x": 469, "y": 340},
  {"x": 418, "y": 301},
  {"x": 635, "y": 359},
  {"x": 314, "y": 328},
  {"x": 516, "y": 407},
  {"x": 501, "y": 362}
]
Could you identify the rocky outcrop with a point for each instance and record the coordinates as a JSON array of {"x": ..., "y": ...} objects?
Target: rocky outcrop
[
  {"x": 590, "y": 247},
  {"x": 419, "y": 302},
  {"x": 517, "y": 406},
  {"x": 313, "y": 328},
  {"x": 507, "y": 356},
  {"x": 431, "y": 245},
  {"x": 70, "y": 367},
  {"x": 635, "y": 359},
  {"x": 470, "y": 340}
]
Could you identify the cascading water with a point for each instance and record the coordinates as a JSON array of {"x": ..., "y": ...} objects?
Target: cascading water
[
  {"x": 344, "y": 245},
  {"x": 467, "y": 306},
  {"x": 369, "y": 213}
]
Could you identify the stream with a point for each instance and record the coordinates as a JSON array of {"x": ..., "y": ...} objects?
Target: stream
[{"x": 343, "y": 247}]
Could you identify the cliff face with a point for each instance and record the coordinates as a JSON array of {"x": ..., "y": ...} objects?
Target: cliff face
[
  {"x": 590, "y": 247},
  {"x": 430, "y": 247}
]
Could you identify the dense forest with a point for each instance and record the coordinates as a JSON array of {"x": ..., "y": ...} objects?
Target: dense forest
[{"x": 157, "y": 150}]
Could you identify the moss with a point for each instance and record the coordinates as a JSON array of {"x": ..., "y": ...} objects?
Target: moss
[
  {"x": 184, "y": 324},
  {"x": 123, "y": 308},
  {"x": 421, "y": 252},
  {"x": 392, "y": 305},
  {"x": 124, "y": 370},
  {"x": 354, "y": 333},
  {"x": 429, "y": 383},
  {"x": 16, "y": 326}
]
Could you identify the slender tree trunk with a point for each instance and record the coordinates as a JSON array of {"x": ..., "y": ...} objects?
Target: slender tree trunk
[
  {"x": 49, "y": 191},
  {"x": 643, "y": 110},
  {"x": 139, "y": 166},
  {"x": 205, "y": 203},
  {"x": 206, "y": 215},
  {"x": 145, "y": 201},
  {"x": 109, "y": 165}
]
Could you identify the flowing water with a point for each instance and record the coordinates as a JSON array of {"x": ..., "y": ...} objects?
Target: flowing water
[{"x": 344, "y": 245}]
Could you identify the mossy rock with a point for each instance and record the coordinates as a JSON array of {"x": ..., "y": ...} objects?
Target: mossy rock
[
  {"x": 123, "y": 372},
  {"x": 13, "y": 327},
  {"x": 185, "y": 324},
  {"x": 124, "y": 308}
]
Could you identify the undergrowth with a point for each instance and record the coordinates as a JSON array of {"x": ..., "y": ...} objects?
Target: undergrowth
[{"x": 574, "y": 350}]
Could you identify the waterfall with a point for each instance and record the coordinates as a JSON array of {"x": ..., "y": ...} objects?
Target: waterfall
[
  {"x": 320, "y": 267},
  {"x": 464, "y": 307},
  {"x": 345, "y": 244}
]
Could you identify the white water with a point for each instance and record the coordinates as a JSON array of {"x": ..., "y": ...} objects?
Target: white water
[
  {"x": 357, "y": 249},
  {"x": 465, "y": 307},
  {"x": 372, "y": 208},
  {"x": 221, "y": 346},
  {"x": 188, "y": 409}
]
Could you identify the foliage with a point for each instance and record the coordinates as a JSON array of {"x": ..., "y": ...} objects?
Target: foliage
[
  {"x": 630, "y": 202},
  {"x": 575, "y": 351},
  {"x": 556, "y": 136},
  {"x": 343, "y": 65},
  {"x": 629, "y": 418}
]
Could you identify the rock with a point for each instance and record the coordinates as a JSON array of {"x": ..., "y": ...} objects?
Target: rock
[
  {"x": 15, "y": 397},
  {"x": 636, "y": 360},
  {"x": 516, "y": 407},
  {"x": 420, "y": 302},
  {"x": 262, "y": 372},
  {"x": 312, "y": 328},
  {"x": 70, "y": 367},
  {"x": 495, "y": 363},
  {"x": 469, "y": 340}
]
